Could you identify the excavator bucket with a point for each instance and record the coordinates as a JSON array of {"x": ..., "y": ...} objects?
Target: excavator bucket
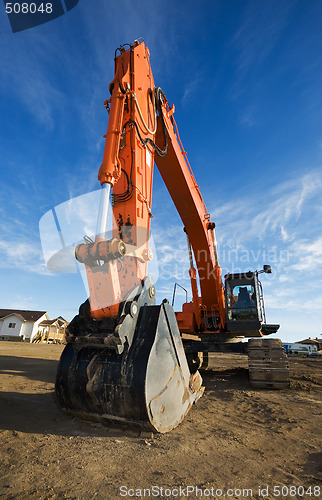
[{"x": 148, "y": 385}]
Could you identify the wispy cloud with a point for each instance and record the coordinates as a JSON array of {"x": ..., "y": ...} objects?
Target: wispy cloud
[
  {"x": 288, "y": 212},
  {"x": 308, "y": 255},
  {"x": 31, "y": 82},
  {"x": 250, "y": 116},
  {"x": 292, "y": 300},
  {"x": 260, "y": 31},
  {"x": 22, "y": 255},
  {"x": 20, "y": 302},
  {"x": 191, "y": 87},
  {"x": 282, "y": 229},
  {"x": 250, "y": 218}
]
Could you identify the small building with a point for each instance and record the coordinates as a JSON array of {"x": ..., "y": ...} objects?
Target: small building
[
  {"x": 51, "y": 331},
  {"x": 317, "y": 342},
  {"x": 20, "y": 325}
]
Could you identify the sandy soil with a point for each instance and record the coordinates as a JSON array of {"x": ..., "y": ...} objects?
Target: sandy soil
[{"x": 235, "y": 443}]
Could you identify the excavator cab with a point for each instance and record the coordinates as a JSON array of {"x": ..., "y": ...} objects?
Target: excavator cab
[{"x": 245, "y": 304}]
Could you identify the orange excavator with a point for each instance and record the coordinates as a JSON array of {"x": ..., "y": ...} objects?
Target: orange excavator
[{"x": 129, "y": 360}]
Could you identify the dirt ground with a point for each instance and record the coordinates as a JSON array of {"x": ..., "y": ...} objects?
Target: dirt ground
[{"x": 236, "y": 442}]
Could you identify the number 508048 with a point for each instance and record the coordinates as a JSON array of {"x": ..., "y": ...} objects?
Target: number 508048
[
  {"x": 296, "y": 491},
  {"x": 28, "y": 8}
]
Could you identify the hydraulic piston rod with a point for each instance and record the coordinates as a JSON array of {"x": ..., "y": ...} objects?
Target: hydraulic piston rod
[{"x": 101, "y": 227}]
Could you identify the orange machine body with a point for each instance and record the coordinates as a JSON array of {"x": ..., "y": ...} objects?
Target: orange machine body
[{"x": 129, "y": 360}]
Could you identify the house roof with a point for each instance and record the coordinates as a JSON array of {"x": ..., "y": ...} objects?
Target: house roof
[
  {"x": 62, "y": 319},
  {"x": 59, "y": 321},
  {"x": 47, "y": 322},
  {"x": 316, "y": 341},
  {"x": 26, "y": 315}
]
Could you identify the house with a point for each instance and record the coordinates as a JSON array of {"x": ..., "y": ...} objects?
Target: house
[
  {"x": 51, "y": 331},
  {"x": 317, "y": 342},
  {"x": 16, "y": 324}
]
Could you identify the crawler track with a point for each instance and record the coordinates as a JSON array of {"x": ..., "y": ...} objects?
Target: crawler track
[{"x": 268, "y": 364}]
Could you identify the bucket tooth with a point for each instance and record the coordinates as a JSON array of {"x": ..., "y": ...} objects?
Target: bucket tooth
[{"x": 148, "y": 385}]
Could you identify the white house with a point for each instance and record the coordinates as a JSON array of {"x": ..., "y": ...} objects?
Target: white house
[
  {"x": 22, "y": 325},
  {"x": 51, "y": 331}
]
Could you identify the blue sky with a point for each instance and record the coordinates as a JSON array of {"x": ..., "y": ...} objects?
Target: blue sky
[{"x": 246, "y": 80}]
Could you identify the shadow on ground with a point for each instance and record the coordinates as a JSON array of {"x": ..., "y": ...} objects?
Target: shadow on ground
[{"x": 43, "y": 370}]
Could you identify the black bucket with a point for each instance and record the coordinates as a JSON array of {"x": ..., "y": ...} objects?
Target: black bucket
[{"x": 148, "y": 385}]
